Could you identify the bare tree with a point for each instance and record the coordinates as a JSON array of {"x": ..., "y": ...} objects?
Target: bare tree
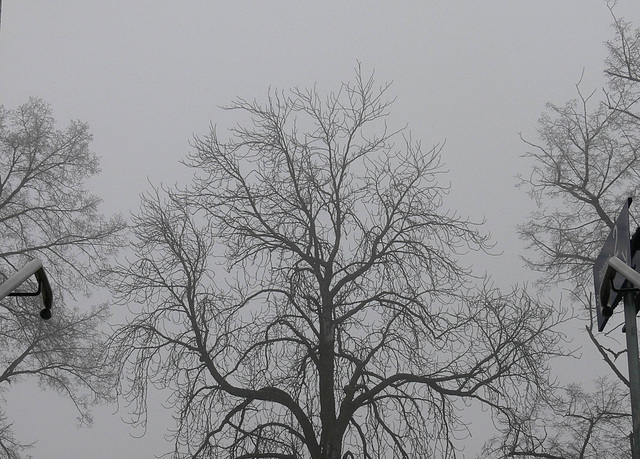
[
  {"x": 570, "y": 424},
  {"x": 45, "y": 212},
  {"x": 585, "y": 164},
  {"x": 304, "y": 297},
  {"x": 623, "y": 69}
]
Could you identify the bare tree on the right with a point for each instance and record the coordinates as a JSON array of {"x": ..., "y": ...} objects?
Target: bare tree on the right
[
  {"x": 571, "y": 424},
  {"x": 585, "y": 163}
]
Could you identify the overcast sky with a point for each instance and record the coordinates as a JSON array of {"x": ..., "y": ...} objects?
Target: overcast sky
[{"x": 148, "y": 75}]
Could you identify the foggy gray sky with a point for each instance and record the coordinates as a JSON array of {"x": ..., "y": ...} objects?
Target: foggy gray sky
[{"x": 148, "y": 75}]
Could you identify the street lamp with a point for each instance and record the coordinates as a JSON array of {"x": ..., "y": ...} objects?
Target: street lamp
[{"x": 34, "y": 267}]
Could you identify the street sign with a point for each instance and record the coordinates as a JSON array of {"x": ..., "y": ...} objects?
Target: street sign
[{"x": 616, "y": 245}]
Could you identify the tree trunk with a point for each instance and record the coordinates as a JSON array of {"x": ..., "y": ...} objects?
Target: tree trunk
[{"x": 330, "y": 439}]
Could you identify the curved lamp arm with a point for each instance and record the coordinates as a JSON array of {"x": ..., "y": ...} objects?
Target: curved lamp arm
[{"x": 34, "y": 267}]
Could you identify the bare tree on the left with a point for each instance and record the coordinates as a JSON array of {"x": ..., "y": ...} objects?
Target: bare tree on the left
[{"x": 46, "y": 212}]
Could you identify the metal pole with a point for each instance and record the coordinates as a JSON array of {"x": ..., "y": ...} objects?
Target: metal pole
[{"x": 634, "y": 369}]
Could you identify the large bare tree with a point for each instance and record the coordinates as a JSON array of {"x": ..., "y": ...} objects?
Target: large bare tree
[
  {"x": 46, "y": 213},
  {"x": 304, "y": 296},
  {"x": 585, "y": 164}
]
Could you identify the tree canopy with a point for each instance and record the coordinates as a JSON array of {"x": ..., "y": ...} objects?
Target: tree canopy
[
  {"x": 585, "y": 164},
  {"x": 46, "y": 213},
  {"x": 305, "y": 296}
]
